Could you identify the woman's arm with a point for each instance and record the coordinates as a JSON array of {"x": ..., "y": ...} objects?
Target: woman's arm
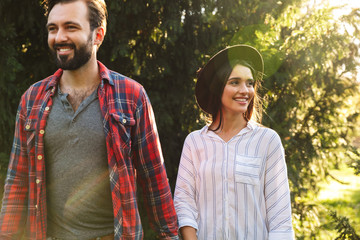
[
  {"x": 277, "y": 193},
  {"x": 188, "y": 233},
  {"x": 185, "y": 193}
]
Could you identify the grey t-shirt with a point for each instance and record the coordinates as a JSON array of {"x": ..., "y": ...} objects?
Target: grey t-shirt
[{"x": 77, "y": 177}]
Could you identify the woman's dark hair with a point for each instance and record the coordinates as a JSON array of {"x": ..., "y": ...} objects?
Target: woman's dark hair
[
  {"x": 217, "y": 88},
  {"x": 96, "y": 9}
]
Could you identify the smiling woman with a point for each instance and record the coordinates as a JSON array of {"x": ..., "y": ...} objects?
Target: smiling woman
[
  {"x": 232, "y": 181},
  {"x": 238, "y": 91}
]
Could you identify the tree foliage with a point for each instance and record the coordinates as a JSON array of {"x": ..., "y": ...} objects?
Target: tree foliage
[
  {"x": 309, "y": 90},
  {"x": 310, "y": 96},
  {"x": 343, "y": 227}
]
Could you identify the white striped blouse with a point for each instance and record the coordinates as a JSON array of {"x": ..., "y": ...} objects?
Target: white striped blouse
[{"x": 234, "y": 190}]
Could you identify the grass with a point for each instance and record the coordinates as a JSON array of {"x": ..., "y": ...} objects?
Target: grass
[{"x": 340, "y": 193}]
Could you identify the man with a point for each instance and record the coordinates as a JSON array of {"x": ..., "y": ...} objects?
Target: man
[{"x": 83, "y": 137}]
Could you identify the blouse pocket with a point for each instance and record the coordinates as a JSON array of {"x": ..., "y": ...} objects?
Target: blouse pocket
[{"x": 247, "y": 169}]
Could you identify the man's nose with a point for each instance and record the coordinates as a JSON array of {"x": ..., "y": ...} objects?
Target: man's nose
[{"x": 61, "y": 36}]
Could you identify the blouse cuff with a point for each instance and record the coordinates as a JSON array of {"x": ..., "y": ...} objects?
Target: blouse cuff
[
  {"x": 188, "y": 222},
  {"x": 281, "y": 235}
]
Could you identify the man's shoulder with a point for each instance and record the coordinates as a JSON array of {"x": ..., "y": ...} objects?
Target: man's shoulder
[
  {"x": 117, "y": 79},
  {"x": 41, "y": 85},
  {"x": 126, "y": 86},
  {"x": 120, "y": 79}
]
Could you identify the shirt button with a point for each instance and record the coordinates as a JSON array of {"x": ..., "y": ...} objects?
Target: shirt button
[
  {"x": 39, "y": 157},
  {"x": 27, "y": 126},
  {"x": 47, "y": 109},
  {"x": 42, "y": 131},
  {"x": 37, "y": 181},
  {"x": 124, "y": 120},
  {"x": 36, "y": 206}
]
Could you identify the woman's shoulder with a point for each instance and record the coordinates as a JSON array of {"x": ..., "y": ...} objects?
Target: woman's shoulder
[
  {"x": 264, "y": 130},
  {"x": 197, "y": 133}
]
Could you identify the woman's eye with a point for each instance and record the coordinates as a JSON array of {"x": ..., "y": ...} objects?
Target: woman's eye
[
  {"x": 250, "y": 83},
  {"x": 234, "y": 82}
]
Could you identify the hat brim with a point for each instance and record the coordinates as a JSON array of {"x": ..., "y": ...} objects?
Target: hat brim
[{"x": 206, "y": 74}]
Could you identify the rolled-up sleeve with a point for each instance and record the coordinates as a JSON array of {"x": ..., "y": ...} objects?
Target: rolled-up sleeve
[
  {"x": 277, "y": 193},
  {"x": 185, "y": 191}
]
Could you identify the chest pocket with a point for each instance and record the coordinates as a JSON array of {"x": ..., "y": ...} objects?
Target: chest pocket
[
  {"x": 247, "y": 169},
  {"x": 30, "y": 130},
  {"x": 122, "y": 127}
]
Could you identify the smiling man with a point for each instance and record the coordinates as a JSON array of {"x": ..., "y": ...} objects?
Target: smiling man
[{"x": 84, "y": 136}]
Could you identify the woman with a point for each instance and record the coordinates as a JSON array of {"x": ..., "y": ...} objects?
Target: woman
[{"x": 232, "y": 181}]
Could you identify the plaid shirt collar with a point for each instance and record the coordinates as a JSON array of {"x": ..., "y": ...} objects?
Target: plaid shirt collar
[{"x": 103, "y": 72}]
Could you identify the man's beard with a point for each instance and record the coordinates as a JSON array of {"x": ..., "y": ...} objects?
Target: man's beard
[{"x": 80, "y": 58}]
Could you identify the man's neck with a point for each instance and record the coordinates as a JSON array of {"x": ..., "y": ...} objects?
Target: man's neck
[
  {"x": 82, "y": 78},
  {"x": 80, "y": 83}
]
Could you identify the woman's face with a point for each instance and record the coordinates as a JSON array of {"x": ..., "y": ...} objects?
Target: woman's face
[{"x": 238, "y": 91}]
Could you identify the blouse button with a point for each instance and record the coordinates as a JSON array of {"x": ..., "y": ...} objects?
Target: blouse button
[
  {"x": 39, "y": 157},
  {"x": 37, "y": 181},
  {"x": 47, "y": 109},
  {"x": 27, "y": 126},
  {"x": 42, "y": 131},
  {"x": 124, "y": 120}
]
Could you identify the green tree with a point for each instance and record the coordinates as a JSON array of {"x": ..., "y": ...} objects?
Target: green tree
[
  {"x": 309, "y": 96},
  {"x": 310, "y": 63},
  {"x": 343, "y": 227},
  {"x": 23, "y": 60}
]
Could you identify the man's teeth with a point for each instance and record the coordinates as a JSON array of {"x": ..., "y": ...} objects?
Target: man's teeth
[{"x": 64, "y": 49}]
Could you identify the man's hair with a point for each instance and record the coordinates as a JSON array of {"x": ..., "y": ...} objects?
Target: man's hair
[{"x": 96, "y": 9}]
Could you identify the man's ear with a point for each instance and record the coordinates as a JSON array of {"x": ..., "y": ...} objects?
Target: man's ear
[{"x": 99, "y": 35}]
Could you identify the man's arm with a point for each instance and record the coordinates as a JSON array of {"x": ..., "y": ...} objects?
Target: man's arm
[
  {"x": 14, "y": 203},
  {"x": 151, "y": 172}
]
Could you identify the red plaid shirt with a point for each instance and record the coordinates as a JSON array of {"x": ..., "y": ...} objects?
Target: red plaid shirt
[{"x": 133, "y": 150}]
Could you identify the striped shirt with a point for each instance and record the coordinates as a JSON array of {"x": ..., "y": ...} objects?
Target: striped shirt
[
  {"x": 133, "y": 155},
  {"x": 237, "y": 189}
]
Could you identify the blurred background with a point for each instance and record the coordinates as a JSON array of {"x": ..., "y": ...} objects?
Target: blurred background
[{"x": 310, "y": 91}]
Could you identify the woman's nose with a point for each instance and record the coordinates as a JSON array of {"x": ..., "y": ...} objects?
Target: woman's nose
[{"x": 243, "y": 88}]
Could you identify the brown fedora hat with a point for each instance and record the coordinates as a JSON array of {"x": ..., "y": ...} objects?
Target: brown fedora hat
[{"x": 207, "y": 78}]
